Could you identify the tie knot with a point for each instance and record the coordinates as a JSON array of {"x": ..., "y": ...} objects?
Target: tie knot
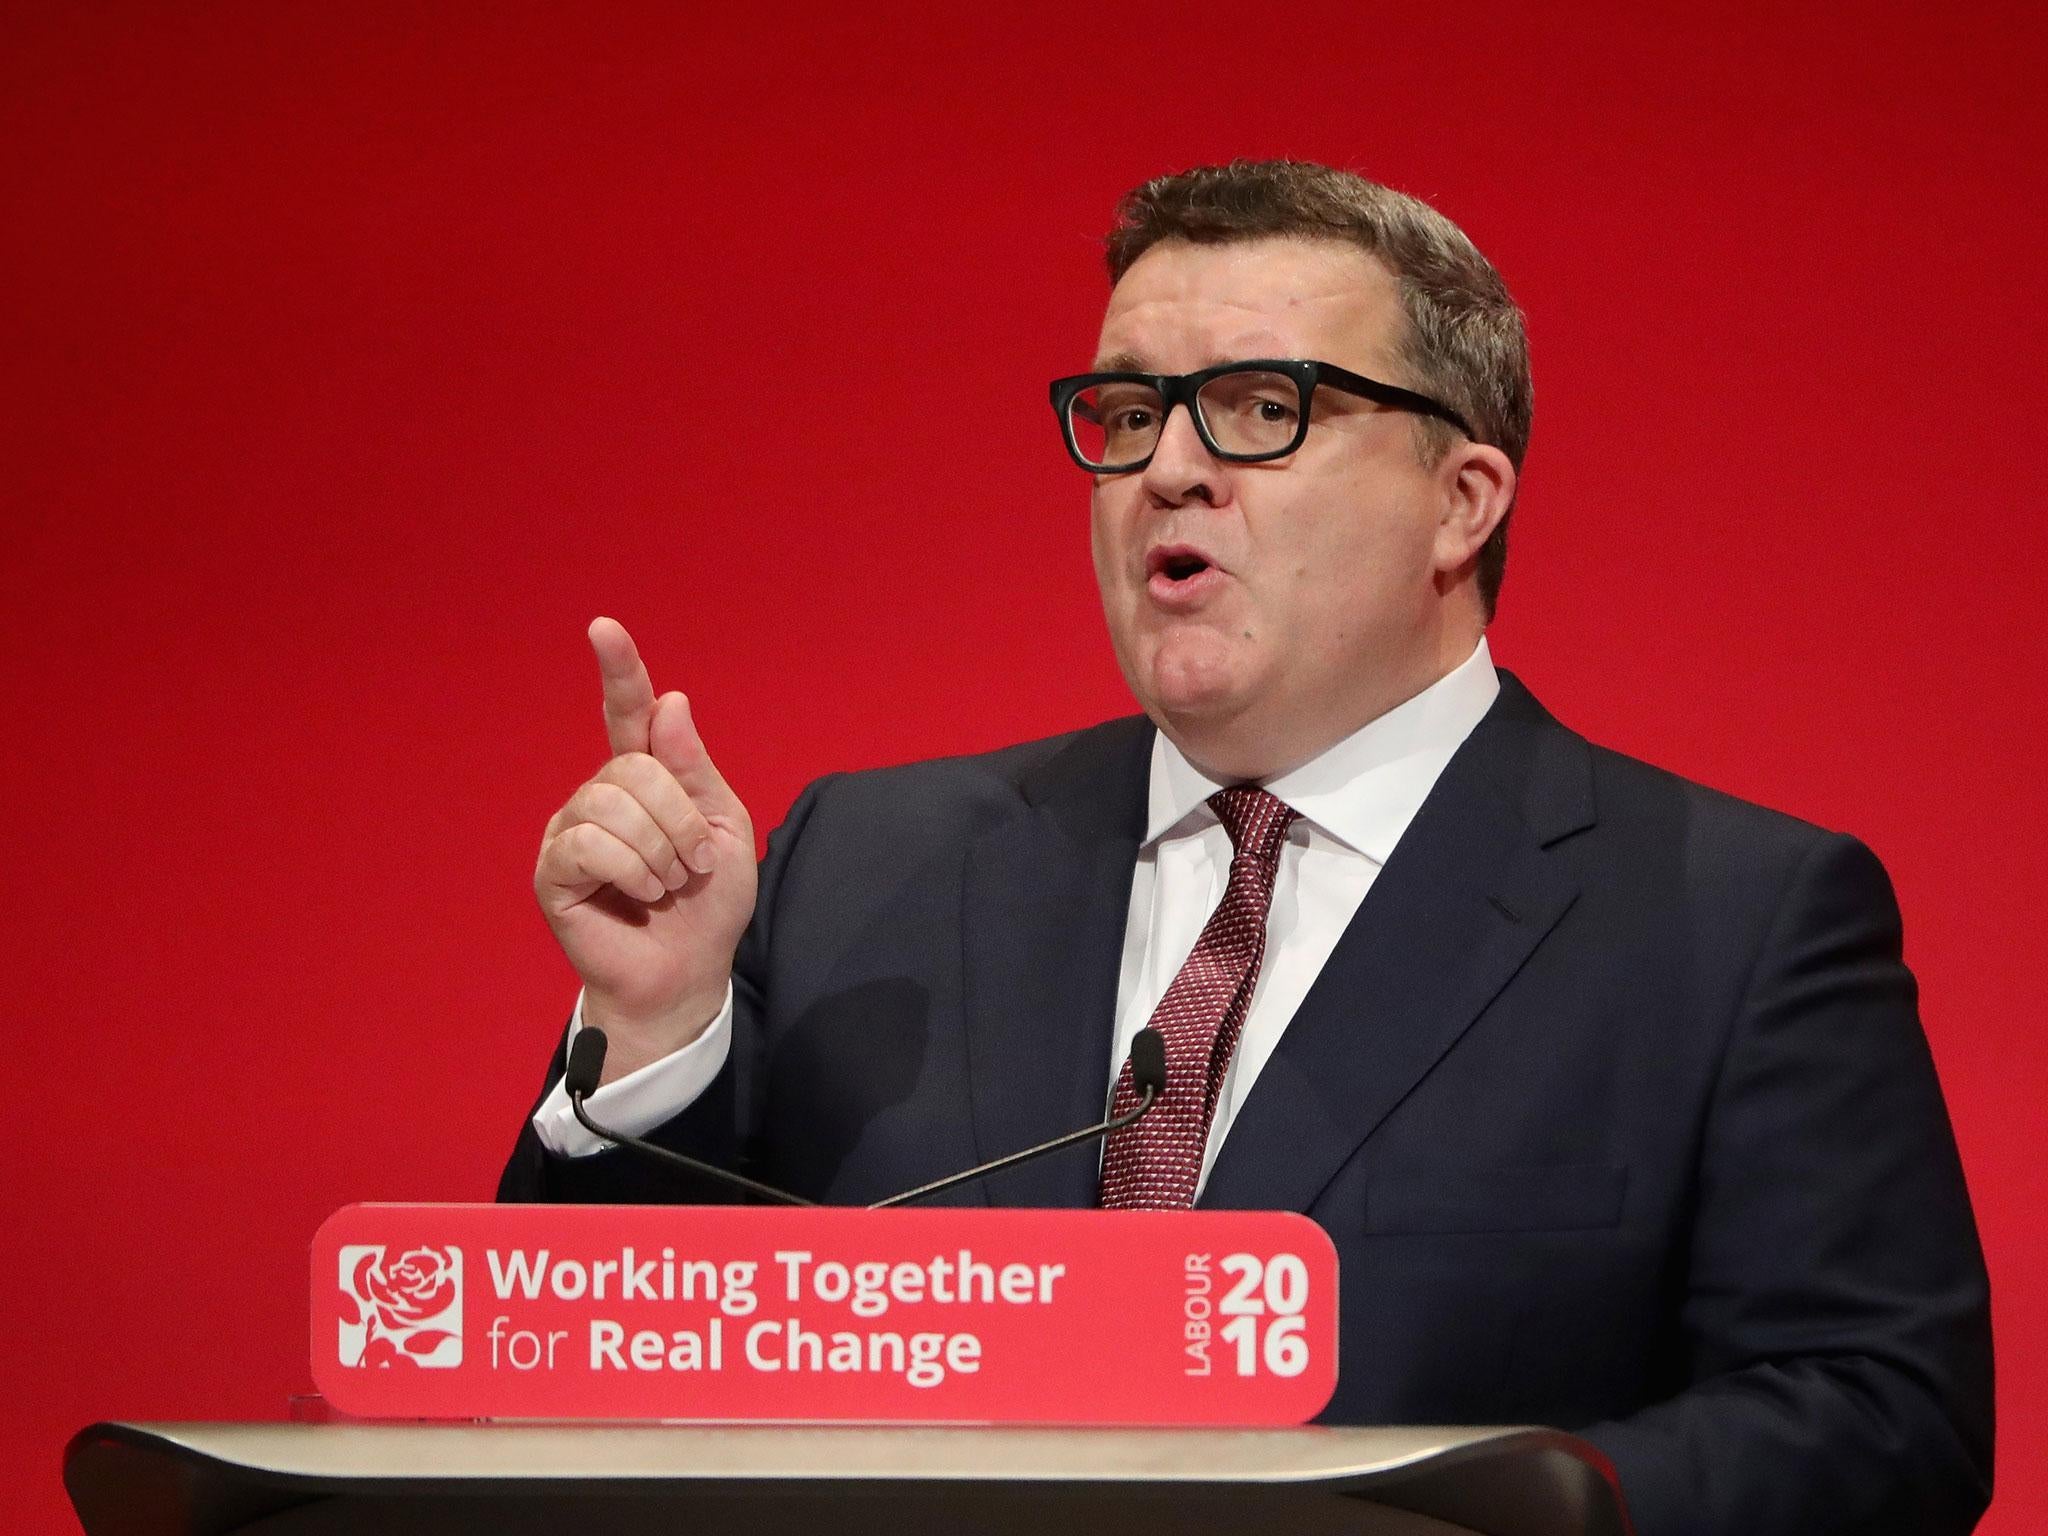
[{"x": 1256, "y": 821}]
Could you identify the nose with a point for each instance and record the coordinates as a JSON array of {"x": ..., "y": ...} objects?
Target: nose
[{"x": 1182, "y": 469}]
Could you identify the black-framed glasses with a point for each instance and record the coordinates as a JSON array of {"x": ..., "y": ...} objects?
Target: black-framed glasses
[{"x": 1243, "y": 412}]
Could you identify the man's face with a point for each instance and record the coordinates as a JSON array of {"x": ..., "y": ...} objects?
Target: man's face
[{"x": 1269, "y": 607}]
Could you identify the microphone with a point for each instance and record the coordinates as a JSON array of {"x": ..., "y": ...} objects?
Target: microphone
[
  {"x": 1148, "y": 1076},
  {"x": 580, "y": 1079}
]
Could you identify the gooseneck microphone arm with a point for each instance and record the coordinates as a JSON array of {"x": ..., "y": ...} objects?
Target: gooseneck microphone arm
[
  {"x": 580, "y": 1079},
  {"x": 1148, "y": 1076},
  {"x": 586, "y": 1068}
]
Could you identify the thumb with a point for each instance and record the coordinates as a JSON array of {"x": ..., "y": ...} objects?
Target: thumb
[{"x": 672, "y": 738}]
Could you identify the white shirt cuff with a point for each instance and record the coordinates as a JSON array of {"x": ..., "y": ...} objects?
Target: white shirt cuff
[{"x": 635, "y": 1104}]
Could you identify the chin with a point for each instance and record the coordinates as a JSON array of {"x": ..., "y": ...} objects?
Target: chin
[
  {"x": 1195, "y": 693},
  {"x": 1189, "y": 672}
]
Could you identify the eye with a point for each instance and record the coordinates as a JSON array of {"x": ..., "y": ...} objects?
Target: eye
[
  {"x": 1278, "y": 412},
  {"x": 1131, "y": 418}
]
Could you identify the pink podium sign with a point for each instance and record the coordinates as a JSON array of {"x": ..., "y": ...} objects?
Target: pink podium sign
[{"x": 753, "y": 1313}]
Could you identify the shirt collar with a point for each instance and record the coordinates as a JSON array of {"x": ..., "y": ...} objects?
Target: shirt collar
[{"x": 1364, "y": 790}]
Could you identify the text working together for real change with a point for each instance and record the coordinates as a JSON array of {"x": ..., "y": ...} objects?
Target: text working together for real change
[{"x": 734, "y": 1286}]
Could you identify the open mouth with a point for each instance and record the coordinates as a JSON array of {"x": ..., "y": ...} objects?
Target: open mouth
[{"x": 1176, "y": 563}]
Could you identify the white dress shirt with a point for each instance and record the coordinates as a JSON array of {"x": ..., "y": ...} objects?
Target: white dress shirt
[{"x": 1355, "y": 800}]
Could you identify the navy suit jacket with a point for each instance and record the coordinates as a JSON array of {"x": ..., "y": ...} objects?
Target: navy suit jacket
[{"x": 1613, "y": 1098}]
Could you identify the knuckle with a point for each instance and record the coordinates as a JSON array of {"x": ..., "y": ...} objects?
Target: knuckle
[
  {"x": 623, "y": 766},
  {"x": 560, "y": 856},
  {"x": 636, "y": 771},
  {"x": 608, "y": 801},
  {"x": 589, "y": 844}
]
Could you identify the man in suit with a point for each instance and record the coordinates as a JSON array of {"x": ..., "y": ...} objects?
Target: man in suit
[{"x": 1609, "y": 1089}]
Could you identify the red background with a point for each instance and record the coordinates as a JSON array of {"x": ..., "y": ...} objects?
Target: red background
[{"x": 355, "y": 356}]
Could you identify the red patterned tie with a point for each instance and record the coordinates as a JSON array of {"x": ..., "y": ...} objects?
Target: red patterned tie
[{"x": 1158, "y": 1161}]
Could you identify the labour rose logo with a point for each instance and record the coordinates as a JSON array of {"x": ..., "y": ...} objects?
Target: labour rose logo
[{"x": 401, "y": 1311}]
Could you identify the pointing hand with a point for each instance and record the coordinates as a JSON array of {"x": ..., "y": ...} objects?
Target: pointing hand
[{"x": 647, "y": 875}]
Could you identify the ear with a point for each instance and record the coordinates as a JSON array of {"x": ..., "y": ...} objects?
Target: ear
[{"x": 1478, "y": 484}]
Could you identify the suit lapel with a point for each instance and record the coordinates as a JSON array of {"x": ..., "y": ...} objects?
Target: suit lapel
[
  {"x": 1467, "y": 894},
  {"x": 1044, "y": 907}
]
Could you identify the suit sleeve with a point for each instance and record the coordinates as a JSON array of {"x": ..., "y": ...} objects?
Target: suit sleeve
[
  {"x": 1834, "y": 1304},
  {"x": 716, "y": 1127}
]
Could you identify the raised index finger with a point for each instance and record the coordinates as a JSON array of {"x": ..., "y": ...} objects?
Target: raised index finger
[{"x": 628, "y": 694}]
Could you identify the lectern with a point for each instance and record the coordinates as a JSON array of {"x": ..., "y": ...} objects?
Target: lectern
[{"x": 767, "y": 1480}]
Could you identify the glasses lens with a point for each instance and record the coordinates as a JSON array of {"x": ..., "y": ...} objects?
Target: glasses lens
[
  {"x": 1251, "y": 410},
  {"x": 1115, "y": 424}
]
